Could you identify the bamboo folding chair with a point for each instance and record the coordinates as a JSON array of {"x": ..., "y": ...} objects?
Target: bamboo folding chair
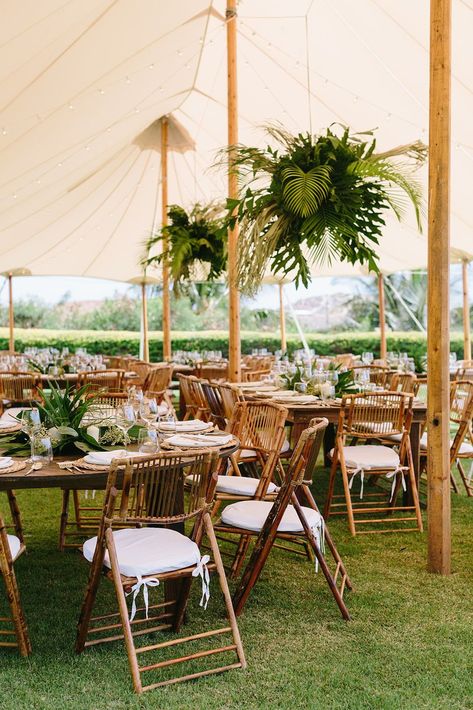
[
  {"x": 198, "y": 400},
  {"x": 371, "y": 417},
  {"x": 256, "y": 375},
  {"x": 13, "y": 626},
  {"x": 103, "y": 380},
  {"x": 402, "y": 382},
  {"x": 230, "y": 394},
  {"x": 465, "y": 372},
  {"x": 140, "y": 368},
  {"x": 157, "y": 384},
  {"x": 19, "y": 388},
  {"x": 149, "y": 552},
  {"x": 286, "y": 519},
  {"x": 214, "y": 402},
  {"x": 212, "y": 372}
]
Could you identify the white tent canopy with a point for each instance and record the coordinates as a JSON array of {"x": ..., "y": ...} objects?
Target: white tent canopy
[{"x": 83, "y": 85}]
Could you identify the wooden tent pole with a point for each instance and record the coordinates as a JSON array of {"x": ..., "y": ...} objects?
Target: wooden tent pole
[
  {"x": 382, "y": 318},
  {"x": 234, "y": 344},
  {"x": 466, "y": 313},
  {"x": 438, "y": 333},
  {"x": 11, "y": 319},
  {"x": 282, "y": 318},
  {"x": 144, "y": 306},
  {"x": 164, "y": 221}
]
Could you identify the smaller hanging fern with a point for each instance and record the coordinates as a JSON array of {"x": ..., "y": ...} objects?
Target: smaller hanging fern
[{"x": 194, "y": 239}]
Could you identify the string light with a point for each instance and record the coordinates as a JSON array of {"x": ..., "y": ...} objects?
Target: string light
[{"x": 4, "y": 131}]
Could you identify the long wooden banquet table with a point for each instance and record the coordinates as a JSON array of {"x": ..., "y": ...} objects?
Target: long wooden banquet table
[{"x": 299, "y": 416}]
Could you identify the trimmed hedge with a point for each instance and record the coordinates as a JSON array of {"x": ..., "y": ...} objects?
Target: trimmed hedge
[{"x": 127, "y": 342}]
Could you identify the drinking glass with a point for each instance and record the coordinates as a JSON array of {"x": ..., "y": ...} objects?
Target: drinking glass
[
  {"x": 148, "y": 410},
  {"x": 367, "y": 358},
  {"x": 30, "y": 421},
  {"x": 126, "y": 419},
  {"x": 148, "y": 441},
  {"x": 41, "y": 448},
  {"x": 300, "y": 387}
]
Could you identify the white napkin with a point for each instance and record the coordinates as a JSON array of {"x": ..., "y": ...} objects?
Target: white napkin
[
  {"x": 4, "y": 424},
  {"x": 10, "y": 414},
  {"x": 105, "y": 458},
  {"x": 199, "y": 442},
  {"x": 5, "y": 461},
  {"x": 162, "y": 410},
  {"x": 189, "y": 425}
]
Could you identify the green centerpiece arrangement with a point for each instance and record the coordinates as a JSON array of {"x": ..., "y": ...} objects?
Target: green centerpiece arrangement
[
  {"x": 192, "y": 240},
  {"x": 344, "y": 383},
  {"x": 312, "y": 198},
  {"x": 65, "y": 415}
]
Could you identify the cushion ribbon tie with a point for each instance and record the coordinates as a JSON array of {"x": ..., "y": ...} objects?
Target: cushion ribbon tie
[
  {"x": 318, "y": 531},
  {"x": 135, "y": 590},
  {"x": 202, "y": 571},
  {"x": 393, "y": 475},
  {"x": 361, "y": 471}
]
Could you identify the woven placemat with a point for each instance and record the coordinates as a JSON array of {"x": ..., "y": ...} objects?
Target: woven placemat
[
  {"x": 11, "y": 429},
  {"x": 16, "y": 466},
  {"x": 172, "y": 447}
]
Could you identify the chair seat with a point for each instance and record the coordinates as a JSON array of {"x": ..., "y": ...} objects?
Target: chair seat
[
  {"x": 15, "y": 546},
  {"x": 148, "y": 551},
  {"x": 241, "y": 485},
  {"x": 367, "y": 457},
  {"x": 251, "y": 515},
  {"x": 465, "y": 448}
]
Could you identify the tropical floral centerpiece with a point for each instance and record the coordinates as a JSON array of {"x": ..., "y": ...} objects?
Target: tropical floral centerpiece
[
  {"x": 315, "y": 198},
  {"x": 65, "y": 416}
]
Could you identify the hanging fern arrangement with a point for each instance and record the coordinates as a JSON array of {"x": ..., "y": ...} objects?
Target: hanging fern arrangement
[
  {"x": 196, "y": 244},
  {"x": 317, "y": 198}
]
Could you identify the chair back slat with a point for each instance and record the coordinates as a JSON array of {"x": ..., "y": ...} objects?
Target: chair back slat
[
  {"x": 371, "y": 415},
  {"x": 103, "y": 380},
  {"x": 158, "y": 379},
  {"x": 20, "y": 386},
  {"x": 259, "y": 426},
  {"x": 213, "y": 398}
]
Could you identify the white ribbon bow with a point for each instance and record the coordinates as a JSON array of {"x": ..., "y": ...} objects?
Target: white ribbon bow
[
  {"x": 202, "y": 572},
  {"x": 361, "y": 471},
  {"x": 318, "y": 531},
  {"x": 135, "y": 590},
  {"x": 393, "y": 475}
]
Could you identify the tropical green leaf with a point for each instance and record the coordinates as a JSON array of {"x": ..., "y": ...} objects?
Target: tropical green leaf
[{"x": 304, "y": 192}]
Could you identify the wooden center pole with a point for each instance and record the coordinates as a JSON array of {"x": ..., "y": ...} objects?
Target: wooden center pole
[
  {"x": 466, "y": 313},
  {"x": 282, "y": 318},
  {"x": 382, "y": 318},
  {"x": 438, "y": 333},
  {"x": 164, "y": 221},
  {"x": 234, "y": 344},
  {"x": 11, "y": 319},
  {"x": 144, "y": 306}
]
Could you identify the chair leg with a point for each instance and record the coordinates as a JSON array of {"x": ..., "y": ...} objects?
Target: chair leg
[
  {"x": 240, "y": 555},
  {"x": 19, "y": 622},
  {"x": 414, "y": 491},
  {"x": 16, "y": 515},
  {"x": 224, "y": 587},
  {"x": 466, "y": 482},
  {"x": 83, "y": 624},
  {"x": 346, "y": 488},
  {"x": 331, "y": 485},
  {"x": 64, "y": 518},
  {"x": 123, "y": 609}
]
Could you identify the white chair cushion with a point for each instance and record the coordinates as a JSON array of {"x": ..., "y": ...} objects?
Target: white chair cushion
[
  {"x": 251, "y": 515},
  {"x": 15, "y": 545},
  {"x": 240, "y": 485},
  {"x": 146, "y": 551},
  {"x": 465, "y": 447},
  {"x": 367, "y": 457}
]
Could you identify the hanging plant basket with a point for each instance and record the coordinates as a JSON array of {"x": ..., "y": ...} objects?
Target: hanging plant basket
[
  {"x": 196, "y": 245},
  {"x": 316, "y": 198}
]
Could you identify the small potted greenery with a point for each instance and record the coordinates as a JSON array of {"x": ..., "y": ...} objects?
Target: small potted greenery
[{"x": 315, "y": 198}]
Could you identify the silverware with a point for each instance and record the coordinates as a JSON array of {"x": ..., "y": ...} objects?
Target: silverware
[{"x": 36, "y": 466}]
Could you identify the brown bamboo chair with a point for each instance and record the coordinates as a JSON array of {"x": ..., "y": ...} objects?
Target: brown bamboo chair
[
  {"x": 213, "y": 398},
  {"x": 142, "y": 369},
  {"x": 19, "y": 388},
  {"x": 199, "y": 402},
  {"x": 103, "y": 380},
  {"x": 230, "y": 394},
  {"x": 403, "y": 382},
  {"x": 255, "y": 375},
  {"x": 371, "y": 417},
  {"x": 157, "y": 384},
  {"x": 151, "y": 497},
  {"x": 14, "y": 626},
  {"x": 465, "y": 371},
  {"x": 116, "y": 362},
  {"x": 212, "y": 372},
  {"x": 378, "y": 373},
  {"x": 285, "y": 519},
  {"x": 344, "y": 359}
]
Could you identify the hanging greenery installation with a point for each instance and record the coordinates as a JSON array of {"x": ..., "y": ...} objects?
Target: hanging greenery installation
[{"x": 315, "y": 198}]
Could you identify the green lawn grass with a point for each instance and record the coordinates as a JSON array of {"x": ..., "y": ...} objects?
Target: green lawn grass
[{"x": 409, "y": 644}]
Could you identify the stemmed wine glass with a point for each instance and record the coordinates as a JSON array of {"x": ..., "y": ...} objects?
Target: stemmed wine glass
[
  {"x": 126, "y": 419},
  {"x": 30, "y": 421},
  {"x": 148, "y": 411}
]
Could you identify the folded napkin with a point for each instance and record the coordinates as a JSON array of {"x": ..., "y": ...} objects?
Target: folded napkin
[
  {"x": 105, "y": 458},
  {"x": 4, "y": 424},
  {"x": 5, "y": 461},
  {"x": 189, "y": 425},
  {"x": 162, "y": 410},
  {"x": 197, "y": 441},
  {"x": 10, "y": 414}
]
